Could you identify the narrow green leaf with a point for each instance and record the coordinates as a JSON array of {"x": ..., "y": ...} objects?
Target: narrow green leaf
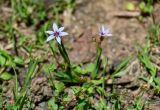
[
  {"x": 98, "y": 63},
  {"x": 52, "y": 105},
  {"x": 59, "y": 86},
  {"x": 18, "y": 60},
  {"x": 122, "y": 65},
  {"x": 83, "y": 105},
  {"x": 49, "y": 68},
  {"x": 15, "y": 90},
  {"x": 6, "y": 76},
  {"x": 2, "y": 60},
  {"x": 31, "y": 70}
]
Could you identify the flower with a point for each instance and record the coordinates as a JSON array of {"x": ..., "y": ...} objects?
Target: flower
[
  {"x": 57, "y": 33},
  {"x": 104, "y": 32}
]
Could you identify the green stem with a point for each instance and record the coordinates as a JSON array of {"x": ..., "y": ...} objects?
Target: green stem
[
  {"x": 104, "y": 73},
  {"x": 98, "y": 62},
  {"x": 15, "y": 44},
  {"x": 66, "y": 58},
  {"x": 53, "y": 52},
  {"x": 66, "y": 55}
]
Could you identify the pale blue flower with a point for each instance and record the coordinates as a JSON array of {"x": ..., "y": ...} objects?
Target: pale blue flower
[
  {"x": 57, "y": 33},
  {"x": 104, "y": 32}
]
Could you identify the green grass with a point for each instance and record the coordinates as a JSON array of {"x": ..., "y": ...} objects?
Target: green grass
[{"x": 86, "y": 83}]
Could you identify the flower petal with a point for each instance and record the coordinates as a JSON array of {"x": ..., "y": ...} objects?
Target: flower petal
[
  {"x": 61, "y": 29},
  {"x": 49, "y": 32},
  {"x": 109, "y": 34},
  {"x": 103, "y": 29},
  {"x": 55, "y": 27},
  {"x": 50, "y": 38},
  {"x": 58, "y": 39},
  {"x": 63, "y": 33}
]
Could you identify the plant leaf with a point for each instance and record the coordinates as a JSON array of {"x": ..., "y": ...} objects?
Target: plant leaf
[{"x": 6, "y": 76}]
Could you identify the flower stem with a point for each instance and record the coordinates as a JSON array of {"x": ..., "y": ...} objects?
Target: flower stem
[
  {"x": 66, "y": 59},
  {"x": 98, "y": 62},
  {"x": 64, "y": 53}
]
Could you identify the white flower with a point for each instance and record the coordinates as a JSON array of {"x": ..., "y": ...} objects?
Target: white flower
[
  {"x": 57, "y": 33},
  {"x": 104, "y": 32}
]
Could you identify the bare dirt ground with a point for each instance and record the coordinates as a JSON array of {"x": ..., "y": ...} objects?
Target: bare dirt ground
[{"x": 127, "y": 31}]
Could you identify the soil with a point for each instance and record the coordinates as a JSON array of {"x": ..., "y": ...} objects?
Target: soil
[{"x": 127, "y": 32}]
